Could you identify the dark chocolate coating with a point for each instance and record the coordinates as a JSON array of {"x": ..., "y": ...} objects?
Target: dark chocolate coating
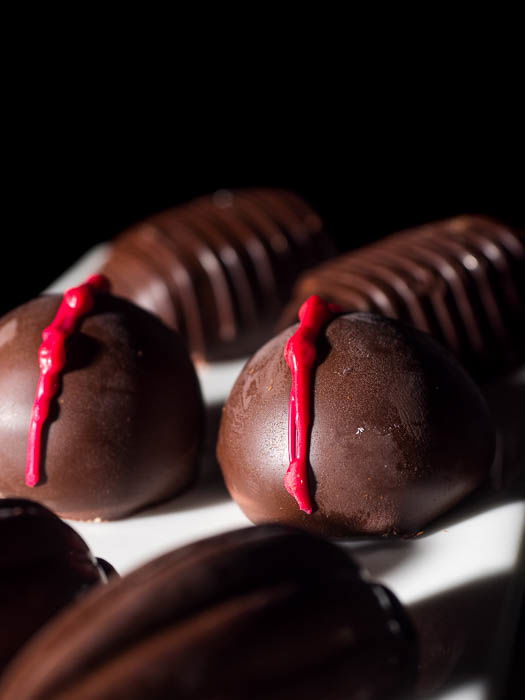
[
  {"x": 126, "y": 427},
  {"x": 44, "y": 566},
  {"x": 220, "y": 268},
  {"x": 400, "y": 433},
  {"x": 107, "y": 568},
  {"x": 257, "y": 613},
  {"x": 462, "y": 280}
]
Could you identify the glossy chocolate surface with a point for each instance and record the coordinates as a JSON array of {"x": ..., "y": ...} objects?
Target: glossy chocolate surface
[
  {"x": 220, "y": 268},
  {"x": 462, "y": 280},
  {"x": 257, "y": 613},
  {"x": 126, "y": 427},
  {"x": 44, "y": 566},
  {"x": 400, "y": 432}
]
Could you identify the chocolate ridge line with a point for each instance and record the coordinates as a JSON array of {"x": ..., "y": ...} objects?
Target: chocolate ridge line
[
  {"x": 479, "y": 264},
  {"x": 241, "y": 252}
]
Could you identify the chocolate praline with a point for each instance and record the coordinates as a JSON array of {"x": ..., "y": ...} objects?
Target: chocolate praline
[
  {"x": 462, "y": 280},
  {"x": 126, "y": 426},
  {"x": 400, "y": 433},
  {"x": 219, "y": 268},
  {"x": 229, "y": 618},
  {"x": 44, "y": 566}
]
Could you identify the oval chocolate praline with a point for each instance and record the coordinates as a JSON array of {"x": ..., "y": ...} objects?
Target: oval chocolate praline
[
  {"x": 461, "y": 279},
  {"x": 400, "y": 433},
  {"x": 259, "y": 613},
  {"x": 219, "y": 268},
  {"x": 125, "y": 429},
  {"x": 44, "y": 566}
]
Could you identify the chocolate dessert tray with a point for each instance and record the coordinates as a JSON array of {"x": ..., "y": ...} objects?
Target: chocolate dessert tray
[{"x": 462, "y": 578}]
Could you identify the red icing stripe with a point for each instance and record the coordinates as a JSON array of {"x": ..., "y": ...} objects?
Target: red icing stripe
[
  {"x": 300, "y": 354},
  {"x": 76, "y": 303}
]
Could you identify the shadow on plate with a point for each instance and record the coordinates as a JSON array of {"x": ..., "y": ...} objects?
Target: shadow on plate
[
  {"x": 202, "y": 494},
  {"x": 379, "y": 556},
  {"x": 460, "y": 637},
  {"x": 467, "y": 633}
]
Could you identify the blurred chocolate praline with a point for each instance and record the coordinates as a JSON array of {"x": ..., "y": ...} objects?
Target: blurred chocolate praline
[
  {"x": 258, "y": 613},
  {"x": 462, "y": 280},
  {"x": 44, "y": 566},
  {"x": 220, "y": 268}
]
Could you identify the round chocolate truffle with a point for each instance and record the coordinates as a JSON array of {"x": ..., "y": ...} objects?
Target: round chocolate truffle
[
  {"x": 125, "y": 426},
  {"x": 399, "y": 432},
  {"x": 44, "y": 566},
  {"x": 230, "y": 617}
]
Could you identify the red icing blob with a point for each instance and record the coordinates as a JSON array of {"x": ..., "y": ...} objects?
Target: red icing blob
[
  {"x": 76, "y": 303},
  {"x": 300, "y": 354}
]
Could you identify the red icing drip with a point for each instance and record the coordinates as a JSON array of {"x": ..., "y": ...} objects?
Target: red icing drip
[
  {"x": 76, "y": 303},
  {"x": 300, "y": 354}
]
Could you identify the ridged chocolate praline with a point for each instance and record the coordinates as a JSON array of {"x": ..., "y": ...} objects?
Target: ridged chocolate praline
[
  {"x": 257, "y": 613},
  {"x": 44, "y": 566},
  {"x": 462, "y": 280},
  {"x": 126, "y": 427},
  {"x": 220, "y": 268},
  {"x": 400, "y": 432}
]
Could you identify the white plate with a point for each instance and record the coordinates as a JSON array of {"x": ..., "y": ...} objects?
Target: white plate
[{"x": 466, "y": 573}]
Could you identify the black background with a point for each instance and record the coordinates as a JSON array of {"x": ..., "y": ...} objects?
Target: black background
[{"x": 78, "y": 175}]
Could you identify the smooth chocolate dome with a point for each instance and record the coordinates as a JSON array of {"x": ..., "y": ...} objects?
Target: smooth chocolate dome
[
  {"x": 126, "y": 427},
  {"x": 400, "y": 432},
  {"x": 44, "y": 566}
]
